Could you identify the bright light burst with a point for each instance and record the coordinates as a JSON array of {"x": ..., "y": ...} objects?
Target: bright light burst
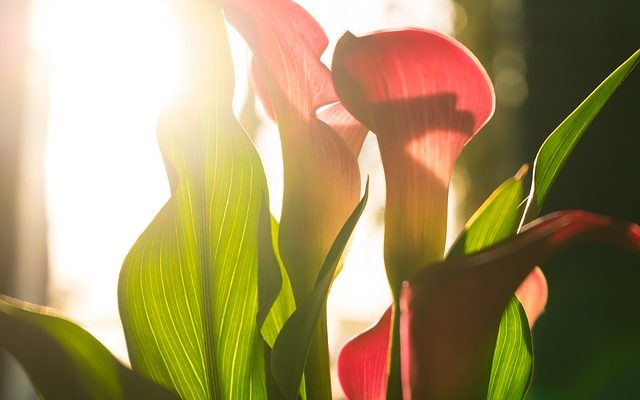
[{"x": 114, "y": 64}]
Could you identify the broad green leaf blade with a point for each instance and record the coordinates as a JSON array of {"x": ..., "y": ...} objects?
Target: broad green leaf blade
[
  {"x": 188, "y": 289},
  {"x": 64, "y": 361},
  {"x": 292, "y": 346},
  {"x": 561, "y": 142},
  {"x": 512, "y": 364},
  {"x": 495, "y": 221}
]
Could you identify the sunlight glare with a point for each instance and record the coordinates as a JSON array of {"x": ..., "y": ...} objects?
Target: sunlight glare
[{"x": 113, "y": 65}]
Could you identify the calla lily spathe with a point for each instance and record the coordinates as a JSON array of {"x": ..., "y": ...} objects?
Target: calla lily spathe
[{"x": 424, "y": 95}]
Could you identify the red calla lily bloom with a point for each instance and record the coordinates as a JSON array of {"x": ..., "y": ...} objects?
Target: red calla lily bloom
[
  {"x": 424, "y": 95},
  {"x": 321, "y": 174}
]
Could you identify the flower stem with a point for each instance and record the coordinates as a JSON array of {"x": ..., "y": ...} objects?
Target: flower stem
[
  {"x": 317, "y": 371},
  {"x": 394, "y": 381}
]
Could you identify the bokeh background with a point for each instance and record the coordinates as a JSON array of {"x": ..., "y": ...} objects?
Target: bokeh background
[{"x": 82, "y": 84}]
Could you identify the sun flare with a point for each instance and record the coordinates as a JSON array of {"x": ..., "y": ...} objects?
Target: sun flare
[{"x": 111, "y": 68}]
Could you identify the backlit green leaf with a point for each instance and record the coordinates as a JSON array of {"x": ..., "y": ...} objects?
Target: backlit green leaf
[
  {"x": 64, "y": 361},
  {"x": 188, "y": 288},
  {"x": 447, "y": 358},
  {"x": 497, "y": 220},
  {"x": 292, "y": 346},
  {"x": 558, "y": 146},
  {"x": 513, "y": 356},
  {"x": 275, "y": 294},
  {"x": 284, "y": 305}
]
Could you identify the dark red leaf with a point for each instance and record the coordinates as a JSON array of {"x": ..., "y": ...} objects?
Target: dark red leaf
[{"x": 451, "y": 310}]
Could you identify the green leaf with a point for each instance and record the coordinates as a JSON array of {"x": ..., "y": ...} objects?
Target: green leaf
[
  {"x": 448, "y": 357},
  {"x": 275, "y": 294},
  {"x": 513, "y": 356},
  {"x": 495, "y": 221},
  {"x": 292, "y": 346},
  {"x": 278, "y": 310},
  {"x": 188, "y": 288},
  {"x": 64, "y": 361},
  {"x": 512, "y": 360},
  {"x": 269, "y": 275},
  {"x": 559, "y": 145}
]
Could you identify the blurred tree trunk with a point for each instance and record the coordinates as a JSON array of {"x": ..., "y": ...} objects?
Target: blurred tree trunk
[
  {"x": 13, "y": 55},
  {"x": 493, "y": 31},
  {"x": 586, "y": 343},
  {"x": 23, "y": 103}
]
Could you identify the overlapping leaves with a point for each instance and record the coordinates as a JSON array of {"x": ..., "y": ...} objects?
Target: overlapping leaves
[
  {"x": 189, "y": 287},
  {"x": 321, "y": 175},
  {"x": 511, "y": 366},
  {"x": 63, "y": 361},
  {"x": 442, "y": 357},
  {"x": 207, "y": 292}
]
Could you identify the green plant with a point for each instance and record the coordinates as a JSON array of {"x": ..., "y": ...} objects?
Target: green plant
[{"x": 218, "y": 300}]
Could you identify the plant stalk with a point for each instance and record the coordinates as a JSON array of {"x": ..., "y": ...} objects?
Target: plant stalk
[
  {"x": 394, "y": 376},
  {"x": 317, "y": 371}
]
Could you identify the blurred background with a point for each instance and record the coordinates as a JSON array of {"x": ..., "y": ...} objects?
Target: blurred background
[{"x": 82, "y": 84}]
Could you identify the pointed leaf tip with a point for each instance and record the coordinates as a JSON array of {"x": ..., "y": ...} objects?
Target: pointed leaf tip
[
  {"x": 559, "y": 145},
  {"x": 292, "y": 347}
]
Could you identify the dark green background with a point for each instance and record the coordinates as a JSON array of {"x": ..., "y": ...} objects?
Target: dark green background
[{"x": 587, "y": 344}]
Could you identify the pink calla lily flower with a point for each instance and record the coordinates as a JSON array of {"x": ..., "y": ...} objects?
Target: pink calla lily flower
[
  {"x": 320, "y": 149},
  {"x": 424, "y": 96},
  {"x": 321, "y": 174},
  {"x": 444, "y": 357}
]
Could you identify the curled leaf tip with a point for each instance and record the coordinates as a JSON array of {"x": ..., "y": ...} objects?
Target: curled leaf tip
[{"x": 522, "y": 172}]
